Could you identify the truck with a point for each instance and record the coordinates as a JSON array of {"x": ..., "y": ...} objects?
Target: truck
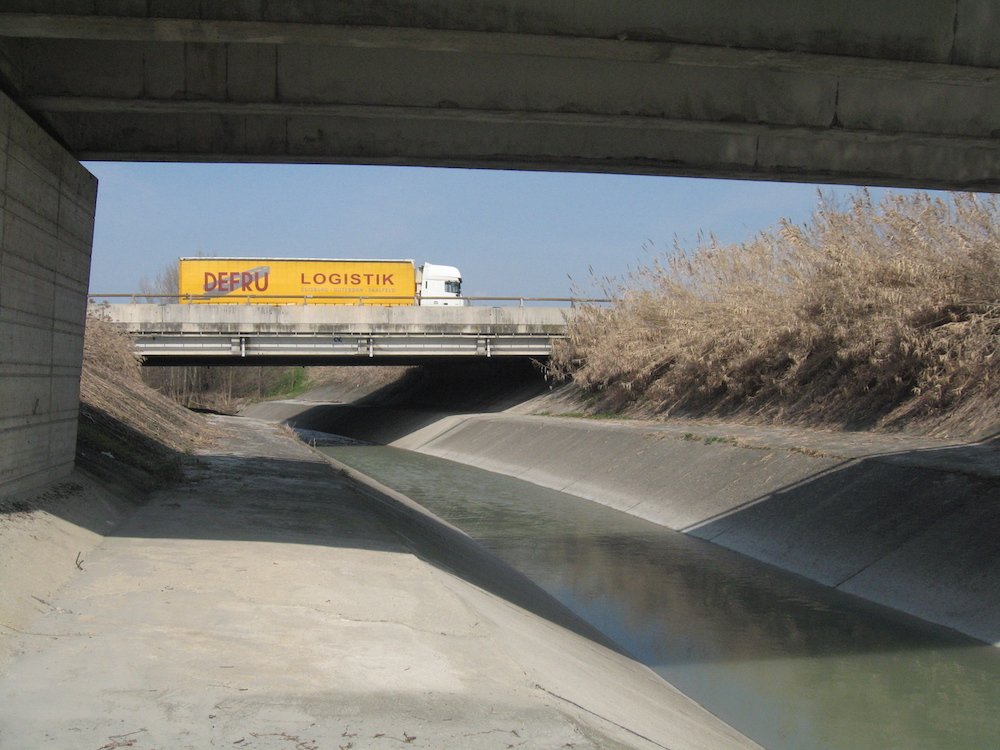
[{"x": 316, "y": 281}]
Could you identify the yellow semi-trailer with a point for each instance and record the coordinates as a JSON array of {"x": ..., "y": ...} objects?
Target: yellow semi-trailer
[{"x": 282, "y": 281}]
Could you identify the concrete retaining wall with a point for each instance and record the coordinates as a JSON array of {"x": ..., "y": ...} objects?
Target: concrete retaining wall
[
  {"x": 914, "y": 528},
  {"x": 46, "y": 229}
]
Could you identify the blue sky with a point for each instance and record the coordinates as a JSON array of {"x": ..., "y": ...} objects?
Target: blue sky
[{"x": 510, "y": 233}]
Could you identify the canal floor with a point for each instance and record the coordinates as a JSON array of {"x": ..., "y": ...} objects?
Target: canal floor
[{"x": 268, "y": 602}]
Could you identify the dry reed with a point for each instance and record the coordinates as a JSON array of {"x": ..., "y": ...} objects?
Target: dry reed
[
  {"x": 874, "y": 314},
  {"x": 112, "y": 393}
]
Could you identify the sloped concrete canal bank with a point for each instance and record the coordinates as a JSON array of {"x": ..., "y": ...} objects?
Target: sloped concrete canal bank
[
  {"x": 790, "y": 663},
  {"x": 269, "y": 602},
  {"x": 910, "y": 523}
]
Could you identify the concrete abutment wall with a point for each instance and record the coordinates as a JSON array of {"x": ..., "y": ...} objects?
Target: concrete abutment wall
[{"x": 47, "y": 208}]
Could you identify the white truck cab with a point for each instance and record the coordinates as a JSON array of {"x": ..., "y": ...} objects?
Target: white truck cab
[{"x": 439, "y": 285}]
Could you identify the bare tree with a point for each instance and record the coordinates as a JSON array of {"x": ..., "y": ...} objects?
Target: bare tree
[
  {"x": 164, "y": 286},
  {"x": 204, "y": 387}
]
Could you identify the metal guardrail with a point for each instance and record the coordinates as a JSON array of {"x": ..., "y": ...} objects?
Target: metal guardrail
[
  {"x": 144, "y": 298},
  {"x": 305, "y": 348}
]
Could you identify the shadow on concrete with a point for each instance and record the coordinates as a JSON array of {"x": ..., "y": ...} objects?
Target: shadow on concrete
[
  {"x": 125, "y": 461},
  {"x": 262, "y": 499},
  {"x": 924, "y": 539},
  {"x": 914, "y": 530},
  {"x": 423, "y": 396},
  {"x": 674, "y": 602},
  {"x": 666, "y": 597},
  {"x": 114, "y": 451}
]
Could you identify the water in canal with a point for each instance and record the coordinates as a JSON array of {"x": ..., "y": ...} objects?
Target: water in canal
[{"x": 789, "y": 663}]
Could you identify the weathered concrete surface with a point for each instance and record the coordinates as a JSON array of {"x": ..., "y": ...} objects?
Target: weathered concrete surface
[
  {"x": 235, "y": 334},
  {"x": 266, "y": 603},
  {"x": 47, "y": 204},
  {"x": 333, "y": 319},
  {"x": 913, "y": 527},
  {"x": 43, "y": 532},
  {"x": 907, "y": 522},
  {"x": 894, "y": 92}
]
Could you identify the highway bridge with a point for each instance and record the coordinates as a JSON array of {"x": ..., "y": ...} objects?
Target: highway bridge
[
  {"x": 877, "y": 92},
  {"x": 245, "y": 334}
]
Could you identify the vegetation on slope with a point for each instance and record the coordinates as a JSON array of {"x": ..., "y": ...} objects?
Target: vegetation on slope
[
  {"x": 123, "y": 418},
  {"x": 225, "y": 389},
  {"x": 873, "y": 315},
  {"x": 126, "y": 424}
]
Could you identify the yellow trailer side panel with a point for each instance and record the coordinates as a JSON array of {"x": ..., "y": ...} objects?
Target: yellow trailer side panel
[{"x": 282, "y": 281}]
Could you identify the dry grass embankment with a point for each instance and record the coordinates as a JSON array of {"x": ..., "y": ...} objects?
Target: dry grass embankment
[
  {"x": 122, "y": 416},
  {"x": 878, "y": 315}
]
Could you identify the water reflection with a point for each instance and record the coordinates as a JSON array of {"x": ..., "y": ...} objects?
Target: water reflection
[{"x": 789, "y": 663}]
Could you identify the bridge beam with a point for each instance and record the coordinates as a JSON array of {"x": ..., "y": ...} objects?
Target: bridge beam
[{"x": 897, "y": 92}]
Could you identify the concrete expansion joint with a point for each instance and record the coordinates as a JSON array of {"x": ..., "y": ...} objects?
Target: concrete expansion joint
[
  {"x": 953, "y": 52},
  {"x": 634, "y": 505},
  {"x": 862, "y": 569},
  {"x": 53, "y": 636},
  {"x": 406, "y": 625},
  {"x": 835, "y": 122},
  {"x": 586, "y": 710}
]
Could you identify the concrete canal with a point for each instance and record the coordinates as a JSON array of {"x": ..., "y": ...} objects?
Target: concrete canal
[{"x": 791, "y": 664}]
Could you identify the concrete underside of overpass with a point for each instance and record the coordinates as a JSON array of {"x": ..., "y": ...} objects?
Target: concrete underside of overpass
[{"x": 895, "y": 92}]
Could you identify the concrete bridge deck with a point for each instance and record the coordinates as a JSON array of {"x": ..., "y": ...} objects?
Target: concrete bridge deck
[{"x": 181, "y": 334}]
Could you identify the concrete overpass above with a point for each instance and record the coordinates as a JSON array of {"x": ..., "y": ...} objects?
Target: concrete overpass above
[
  {"x": 879, "y": 92},
  {"x": 185, "y": 334}
]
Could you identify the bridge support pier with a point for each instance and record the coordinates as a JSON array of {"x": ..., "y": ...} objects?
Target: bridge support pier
[{"x": 47, "y": 206}]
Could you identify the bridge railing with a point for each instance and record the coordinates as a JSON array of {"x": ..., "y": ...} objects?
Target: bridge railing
[{"x": 305, "y": 299}]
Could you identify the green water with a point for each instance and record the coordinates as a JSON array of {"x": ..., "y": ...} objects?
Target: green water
[{"x": 791, "y": 664}]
